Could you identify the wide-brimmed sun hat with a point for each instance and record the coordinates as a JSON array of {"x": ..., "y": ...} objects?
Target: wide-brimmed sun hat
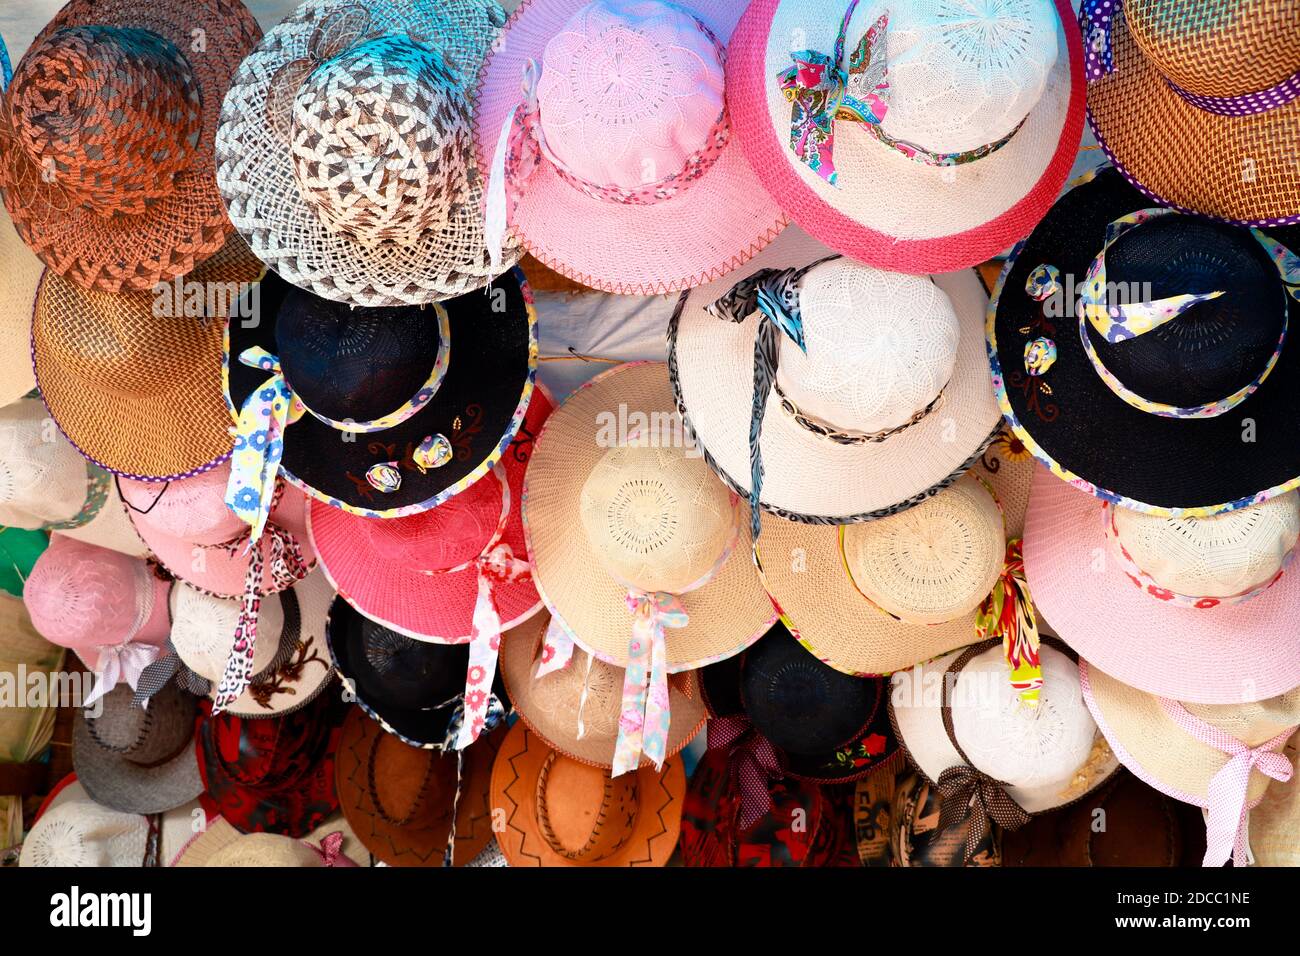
[
  {"x": 1107, "y": 582},
  {"x": 795, "y": 372},
  {"x": 219, "y": 844},
  {"x": 1129, "y": 345},
  {"x": 1196, "y": 107},
  {"x": 920, "y": 137},
  {"x": 346, "y": 149},
  {"x": 872, "y": 598},
  {"x": 1221, "y": 757},
  {"x": 607, "y": 129},
  {"x": 106, "y": 138},
  {"x": 640, "y": 553}
]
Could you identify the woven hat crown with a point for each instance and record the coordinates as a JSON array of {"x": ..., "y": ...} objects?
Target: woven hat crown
[
  {"x": 880, "y": 347},
  {"x": 656, "y": 519},
  {"x": 265, "y": 849},
  {"x": 144, "y": 736},
  {"x": 962, "y": 73},
  {"x": 1219, "y": 556},
  {"x": 391, "y": 668},
  {"x": 629, "y": 92},
  {"x": 191, "y": 509},
  {"x": 203, "y": 630},
  {"x": 1255, "y": 722},
  {"x": 80, "y": 596},
  {"x": 42, "y": 477},
  {"x": 559, "y": 696},
  {"x": 83, "y": 833},
  {"x": 109, "y": 114},
  {"x": 1218, "y": 47}
]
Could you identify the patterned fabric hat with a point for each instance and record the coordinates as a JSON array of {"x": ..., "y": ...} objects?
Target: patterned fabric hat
[
  {"x": 1196, "y": 103},
  {"x": 346, "y": 154},
  {"x": 106, "y": 138}
]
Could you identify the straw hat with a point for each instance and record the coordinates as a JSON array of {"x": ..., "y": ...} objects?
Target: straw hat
[
  {"x": 575, "y": 709},
  {"x": 346, "y": 155},
  {"x": 45, "y": 484},
  {"x": 219, "y": 844},
  {"x": 1117, "y": 319},
  {"x": 918, "y": 137},
  {"x": 400, "y": 799},
  {"x": 559, "y": 812},
  {"x": 871, "y": 417},
  {"x": 1087, "y": 582},
  {"x": 1197, "y": 115},
  {"x": 108, "y": 132},
  {"x": 1273, "y": 823},
  {"x": 1221, "y": 757},
  {"x": 133, "y": 379},
  {"x": 872, "y": 598},
  {"x": 18, "y": 282},
  {"x": 616, "y": 165},
  {"x": 290, "y": 663}
]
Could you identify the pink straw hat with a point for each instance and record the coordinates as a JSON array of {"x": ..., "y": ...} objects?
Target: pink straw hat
[
  {"x": 619, "y": 168},
  {"x": 186, "y": 525},
  {"x": 1085, "y": 588},
  {"x": 952, "y": 127}
]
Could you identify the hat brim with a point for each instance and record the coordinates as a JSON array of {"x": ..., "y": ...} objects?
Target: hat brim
[
  {"x": 889, "y": 210},
  {"x": 110, "y": 528},
  {"x": 479, "y": 406},
  {"x": 1088, "y": 435},
  {"x": 806, "y": 477},
  {"x": 117, "y": 253},
  {"x": 725, "y": 615},
  {"x": 704, "y": 232},
  {"x": 514, "y": 790},
  {"x": 18, "y": 283}
]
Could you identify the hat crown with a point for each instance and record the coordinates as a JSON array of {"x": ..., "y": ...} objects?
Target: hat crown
[
  {"x": 405, "y": 777},
  {"x": 192, "y": 509},
  {"x": 445, "y": 537},
  {"x": 630, "y": 91},
  {"x": 963, "y": 73},
  {"x": 83, "y": 833},
  {"x": 82, "y": 596},
  {"x": 109, "y": 114},
  {"x": 42, "y": 477},
  {"x": 1254, "y": 722},
  {"x": 880, "y": 347},
  {"x": 144, "y": 737},
  {"x": 1217, "y": 557},
  {"x": 656, "y": 519},
  {"x": 584, "y": 814},
  {"x": 559, "y": 695},
  {"x": 402, "y": 672},
  {"x": 203, "y": 630},
  {"x": 265, "y": 849},
  {"x": 381, "y": 139}
]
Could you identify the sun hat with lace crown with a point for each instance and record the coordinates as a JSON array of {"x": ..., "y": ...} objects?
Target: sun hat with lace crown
[
  {"x": 1222, "y": 757},
  {"x": 1165, "y": 79},
  {"x": 106, "y": 139},
  {"x": 919, "y": 137},
  {"x": 809, "y": 395},
  {"x": 46, "y": 485},
  {"x": 622, "y": 124},
  {"x": 346, "y": 156},
  {"x": 658, "y": 581}
]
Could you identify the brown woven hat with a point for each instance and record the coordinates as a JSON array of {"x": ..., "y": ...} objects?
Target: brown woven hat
[
  {"x": 399, "y": 799},
  {"x": 137, "y": 392},
  {"x": 559, "y": 812},
  {"x": 1198, "y": 104},
  {"x": 106, "y": 138}
]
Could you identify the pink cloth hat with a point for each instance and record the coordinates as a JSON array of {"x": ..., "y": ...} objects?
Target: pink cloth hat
[
  {"x": 187, "y": 526},
  {"x": 1225, "y": 654},
  {"x": 614, "y": 161}
]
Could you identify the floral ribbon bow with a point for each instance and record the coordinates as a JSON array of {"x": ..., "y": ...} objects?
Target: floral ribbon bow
[
  {"x": 259, "y": 443},
  {"x": 966, "y": 789},
  {"x": 121, "y": 662},
  {"x": 1227, "y": 826},
  {"x": 752, "y": 762},
  {"x": 330, "y": 850},
  {"x": 1008, "y": 611},
  {"x": 645, "y": 716},
  {"x": 492, "y": 715}
]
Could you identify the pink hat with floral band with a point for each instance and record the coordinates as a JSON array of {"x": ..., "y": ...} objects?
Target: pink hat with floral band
[
  {"x": 108, "y": 607},
  {"x": 606, "y": 130},
  {"x": 1194, "y": 609}
]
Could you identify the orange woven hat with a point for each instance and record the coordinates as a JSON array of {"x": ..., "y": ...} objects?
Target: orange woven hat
[
  {"x": 134, "y": 379},
  {"x": 1198, "y": 104},
  {"x": 106, "y": 138}
]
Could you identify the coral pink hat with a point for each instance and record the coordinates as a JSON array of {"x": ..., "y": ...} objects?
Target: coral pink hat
[
  {"x": 608, "y": 135},
  {"x": 1098, "y": 598},
  {"x": 923, "y": 140},
  {"x": 187, "y": 526}
]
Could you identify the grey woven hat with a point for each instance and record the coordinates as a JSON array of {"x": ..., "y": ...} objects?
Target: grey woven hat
[{"x": 138, "y": 760}]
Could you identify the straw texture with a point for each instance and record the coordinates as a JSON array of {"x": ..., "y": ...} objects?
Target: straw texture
[{"x": 18, "y": 280}]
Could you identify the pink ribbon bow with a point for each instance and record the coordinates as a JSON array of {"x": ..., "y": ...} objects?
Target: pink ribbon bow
[
  {"x": 752, "y": 762},
  {"x": 120, "y": 662},
  {"x": 331, "y": 850},
  {"x": 644, "y": 717}
]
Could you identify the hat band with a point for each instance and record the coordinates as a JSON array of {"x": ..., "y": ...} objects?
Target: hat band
[
  {"x": 1244, "y": 104},
  {"x": 817, "y": 426},
  {"x": 1147, "y": 584},
  {"x": 1122, "y": 322},
  {"x": 97, "y": 481}
]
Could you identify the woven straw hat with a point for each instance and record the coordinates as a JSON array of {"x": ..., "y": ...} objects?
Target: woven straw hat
[
  {"x": 875, "y": 417},
  {"x": 601, "y": 515},
  {"x": 269, "y": 849},
  {"x": 621, "y": 165},
  {"x": 576, "y": 709},
  {"x": 106, "y": 138},
  {"x": 18, "y": 281},
  {"x": 346, "y": 155},
  {"x": 218, "y": 839},
  {"x": 1275, "y": 822},
  {"x": 971, "y": 117},
  {"x": 1197, "y": 105},
  {"x": 137, "y": 392},
  {"x": 45, "y": 484}
]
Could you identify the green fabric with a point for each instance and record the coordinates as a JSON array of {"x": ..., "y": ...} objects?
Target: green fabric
[{"x": 19, "y": 550}]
